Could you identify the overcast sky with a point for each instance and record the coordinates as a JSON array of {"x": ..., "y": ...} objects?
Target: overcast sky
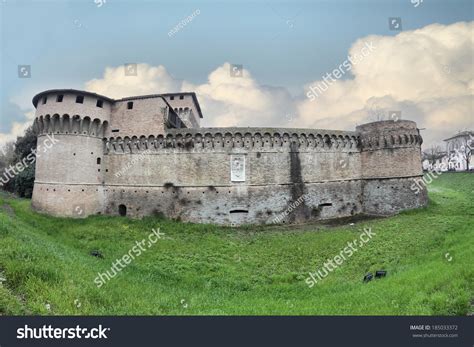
[{"x": 425, "y": 70}]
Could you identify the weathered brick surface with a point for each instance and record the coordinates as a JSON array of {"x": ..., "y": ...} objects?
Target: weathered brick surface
[{"x": 291, "y": 175}]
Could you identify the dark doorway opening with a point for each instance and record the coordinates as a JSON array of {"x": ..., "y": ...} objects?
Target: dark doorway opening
[{"x": 122, "y": 210}]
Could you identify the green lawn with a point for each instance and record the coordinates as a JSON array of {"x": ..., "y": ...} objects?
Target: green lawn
[{"x": 46, "y": 266}]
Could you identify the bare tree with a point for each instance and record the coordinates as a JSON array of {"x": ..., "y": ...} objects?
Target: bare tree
[
  {"x": 465, "y": 151},
  {"x": 433, "y": 153}
]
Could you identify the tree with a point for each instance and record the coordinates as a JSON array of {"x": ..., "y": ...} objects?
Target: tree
[
  {"x": 432, "y": 154},
  {"x": 25, "y": 181},
  {"x": 7, "y": 156},
  {"x": 465, "y": 151},
  {"x": 25, "y": 144},
  {"x": 14, "y": 153}
]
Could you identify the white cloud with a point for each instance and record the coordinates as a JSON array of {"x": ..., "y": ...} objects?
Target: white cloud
[
  {"x": 149, "y": 80},
  {"x": 426, "y": 73},
  {"x": 20, "y": 120},
  {"x": 241, "y": 101},
  {"x": 17, "y": 129},
  {"x": 225, "y": 100}
]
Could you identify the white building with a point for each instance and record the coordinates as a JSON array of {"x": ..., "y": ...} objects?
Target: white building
[{"x": 459, "y": 148}]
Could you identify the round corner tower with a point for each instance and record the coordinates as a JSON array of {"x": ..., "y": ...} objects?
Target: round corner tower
[
  {"x": 70, "y": 125},
  {"x": 391, "y": 166}
]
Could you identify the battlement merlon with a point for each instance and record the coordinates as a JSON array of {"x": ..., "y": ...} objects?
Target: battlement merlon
[{"x": 145, "y": 114}]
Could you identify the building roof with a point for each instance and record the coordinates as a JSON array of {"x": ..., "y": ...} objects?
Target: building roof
[
  {"x": 192, "y": 94},
  {"x": 461, "y": 134},
  {"x": 74, "y": 91},
  {"x": 83, "y": 92}
]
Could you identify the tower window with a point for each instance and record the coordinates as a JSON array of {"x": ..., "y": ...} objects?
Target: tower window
[
  {"x": 99, "y": 103},
  {"x": 45, "y": 99},
  {"x": 130, "y": 105},
  {"x": 181, "y": 97},
  {"x": 98, "y": 161},
  {"x": 79, "y": 99},
  {"x": 171, "y": 97},
  {"x": 59, "y": 98}
]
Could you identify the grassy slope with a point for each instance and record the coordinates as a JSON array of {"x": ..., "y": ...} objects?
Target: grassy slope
[{"x": 203, "y": 269}]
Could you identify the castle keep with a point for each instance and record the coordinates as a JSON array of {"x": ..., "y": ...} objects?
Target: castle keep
[{"x": 148, "y": 155}]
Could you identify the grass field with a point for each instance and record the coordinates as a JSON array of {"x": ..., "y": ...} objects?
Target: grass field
[{"x": 46, "y": 266}]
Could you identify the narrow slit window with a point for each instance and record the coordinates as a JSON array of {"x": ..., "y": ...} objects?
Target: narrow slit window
[
  {"x": 130, "y": 105},
  {"x": 59, "y": 98},
  {"x": 100, "y": 103},
  {"x": 45, "y": 99}
]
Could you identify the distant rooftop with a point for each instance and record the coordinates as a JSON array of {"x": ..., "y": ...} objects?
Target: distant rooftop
[{"x": 461, "y": 134}]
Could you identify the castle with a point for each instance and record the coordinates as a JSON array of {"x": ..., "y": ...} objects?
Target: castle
[{"x": 148, "y": 155}]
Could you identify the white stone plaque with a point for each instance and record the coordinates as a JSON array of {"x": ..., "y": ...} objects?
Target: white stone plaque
[{"x": 237, "y": 168}]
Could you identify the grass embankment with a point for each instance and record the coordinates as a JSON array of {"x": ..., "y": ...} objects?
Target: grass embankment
[{"x": 47, "y": 268}]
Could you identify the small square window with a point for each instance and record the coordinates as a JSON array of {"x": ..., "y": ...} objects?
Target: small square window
[
  {"x": 59, "y": 98},
  {"x": 171, "y": 97},
  {"x": 79, "y": 99},
  {"x": 45, "y": 99},
  {"x": 99, "y": 103},
  {"x": 129, "y": 105},
  {"x": 181, "y": 97}
]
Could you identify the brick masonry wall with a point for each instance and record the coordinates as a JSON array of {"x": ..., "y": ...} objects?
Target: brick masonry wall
[
  {"x": 390, "y": 161},
  {"x": 69, "y": 106},
  {"x": 186, "y": 173},
  {"x": 145, "y": 118}
]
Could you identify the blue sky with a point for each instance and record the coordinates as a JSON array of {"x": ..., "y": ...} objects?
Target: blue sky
[{"x": 284, "y": 44}]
